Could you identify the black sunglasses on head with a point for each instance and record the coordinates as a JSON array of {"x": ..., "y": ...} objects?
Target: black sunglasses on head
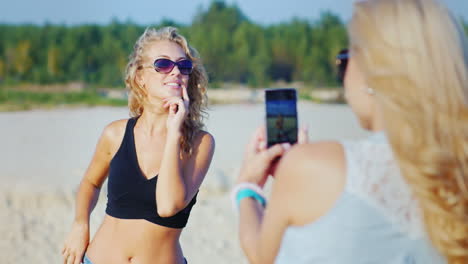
[
  {"x": 342, "y": 64},
  {"x": 166, "y": 65}
]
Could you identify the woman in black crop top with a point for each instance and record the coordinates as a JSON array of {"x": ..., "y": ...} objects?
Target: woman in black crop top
[{"x": 155, "y": 161}]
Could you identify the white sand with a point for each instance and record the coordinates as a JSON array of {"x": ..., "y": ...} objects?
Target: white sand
[{"x": 45, "y": 153}]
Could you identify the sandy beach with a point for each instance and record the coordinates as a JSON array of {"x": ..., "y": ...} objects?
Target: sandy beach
[{"x": 44, "y": 154}]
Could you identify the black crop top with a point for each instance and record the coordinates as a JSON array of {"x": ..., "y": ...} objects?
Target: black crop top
[{"x": 129, "y": 194}]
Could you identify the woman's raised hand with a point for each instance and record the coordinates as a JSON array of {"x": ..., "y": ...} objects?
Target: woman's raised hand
[{"x": 178, "y": 110}]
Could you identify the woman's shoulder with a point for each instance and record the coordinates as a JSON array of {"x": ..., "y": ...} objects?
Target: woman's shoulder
[
  {"x": 317, "y": 156},
  {"x": 110, "y": 139},
  {"x": 115, "y": 131},
  {"x": 313, "y": 172},
  {"x": 204, "y": 137}
]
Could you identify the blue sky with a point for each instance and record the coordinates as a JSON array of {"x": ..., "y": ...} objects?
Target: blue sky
[{"x": 149, "y": 12}]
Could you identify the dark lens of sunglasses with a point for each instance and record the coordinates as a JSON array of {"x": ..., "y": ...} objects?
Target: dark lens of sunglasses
[
  {"x": 164, "y": 65},
  {"x": 185, "y": 66},
  {"x": 342, "y": 63}
]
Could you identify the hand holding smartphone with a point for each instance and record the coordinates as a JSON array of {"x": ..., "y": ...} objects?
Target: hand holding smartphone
[{"x": 281, "y": 116}]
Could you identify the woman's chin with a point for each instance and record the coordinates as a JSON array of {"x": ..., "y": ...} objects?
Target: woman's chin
[{"x": 175, "y": 92}]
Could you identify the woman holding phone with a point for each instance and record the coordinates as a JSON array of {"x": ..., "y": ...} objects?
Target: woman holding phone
[
  {"x": 398, "y": 196},
  {"x": 155, "y": 161}
]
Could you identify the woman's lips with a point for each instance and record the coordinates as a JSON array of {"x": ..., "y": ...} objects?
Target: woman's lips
[{"x": 173, "y": 85}]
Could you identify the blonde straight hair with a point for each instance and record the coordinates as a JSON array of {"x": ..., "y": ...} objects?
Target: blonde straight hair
[
  {"x": 414, "y": 54},
  {"x": 196, "y": 89}
]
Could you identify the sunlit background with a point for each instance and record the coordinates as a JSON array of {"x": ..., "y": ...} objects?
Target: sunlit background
[
  {"x": 82, "y": 46},
  {"x": 61, "y": 67}
]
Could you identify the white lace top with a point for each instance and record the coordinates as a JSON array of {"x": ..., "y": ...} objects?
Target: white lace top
[
  {"x": 376, "y": 219},
  {"x": 374, "y": 176}
]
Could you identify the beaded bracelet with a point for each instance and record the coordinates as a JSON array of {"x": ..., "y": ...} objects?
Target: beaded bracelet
[
  {"x": 247, "y": 190},
  {"x": 248, "y": 193}
]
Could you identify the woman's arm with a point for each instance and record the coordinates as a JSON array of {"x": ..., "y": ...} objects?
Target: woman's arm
[
  {"x": 308, "y": 181},
  {"x": 98, "y": 169},
  {"x": 88, "y": 191},
  {"x": 178, "y": 180}
]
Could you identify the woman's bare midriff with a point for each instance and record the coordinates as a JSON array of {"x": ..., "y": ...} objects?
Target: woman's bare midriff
[{"x": 135, "y": 241}]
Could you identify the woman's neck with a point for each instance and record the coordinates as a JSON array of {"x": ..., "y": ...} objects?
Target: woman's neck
[{"x": 153, "y": 120}]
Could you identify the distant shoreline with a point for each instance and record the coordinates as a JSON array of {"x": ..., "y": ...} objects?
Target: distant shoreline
[{"x": 30, "y": 99}]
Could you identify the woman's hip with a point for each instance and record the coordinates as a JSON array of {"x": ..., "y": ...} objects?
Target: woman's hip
[{"x": 87, "y": 260}]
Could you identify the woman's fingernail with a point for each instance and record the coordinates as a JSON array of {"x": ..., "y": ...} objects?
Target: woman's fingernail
[{"x": 286, "y": 146}]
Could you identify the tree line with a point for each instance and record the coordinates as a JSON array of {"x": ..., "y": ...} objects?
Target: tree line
[{"x": 233, "y": 48}]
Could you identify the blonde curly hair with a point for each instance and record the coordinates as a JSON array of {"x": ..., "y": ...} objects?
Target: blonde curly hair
[
  {"x": 414, "y": 54},
  {"x": 196, "y": 89}
]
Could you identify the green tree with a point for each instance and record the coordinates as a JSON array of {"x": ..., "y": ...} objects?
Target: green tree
[
  {"x": 22, "y": 59},
  {"x": 53, "y": 64},
  {"x": 328, "y": 38},
  {"x": 250, "y": 56},
  {"x": 2, "y": 70},
  {"x": 232, "y": 48},
  {"x": 211, "y": 33}
]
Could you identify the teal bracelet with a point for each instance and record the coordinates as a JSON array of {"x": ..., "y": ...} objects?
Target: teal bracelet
[{"x": 249, "y": 193}]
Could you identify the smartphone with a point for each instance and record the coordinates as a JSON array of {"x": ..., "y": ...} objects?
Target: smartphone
[{"x": 281, "y": 116}]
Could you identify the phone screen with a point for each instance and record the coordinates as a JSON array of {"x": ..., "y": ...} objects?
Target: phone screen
[{"x": 281, "y": 115}]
